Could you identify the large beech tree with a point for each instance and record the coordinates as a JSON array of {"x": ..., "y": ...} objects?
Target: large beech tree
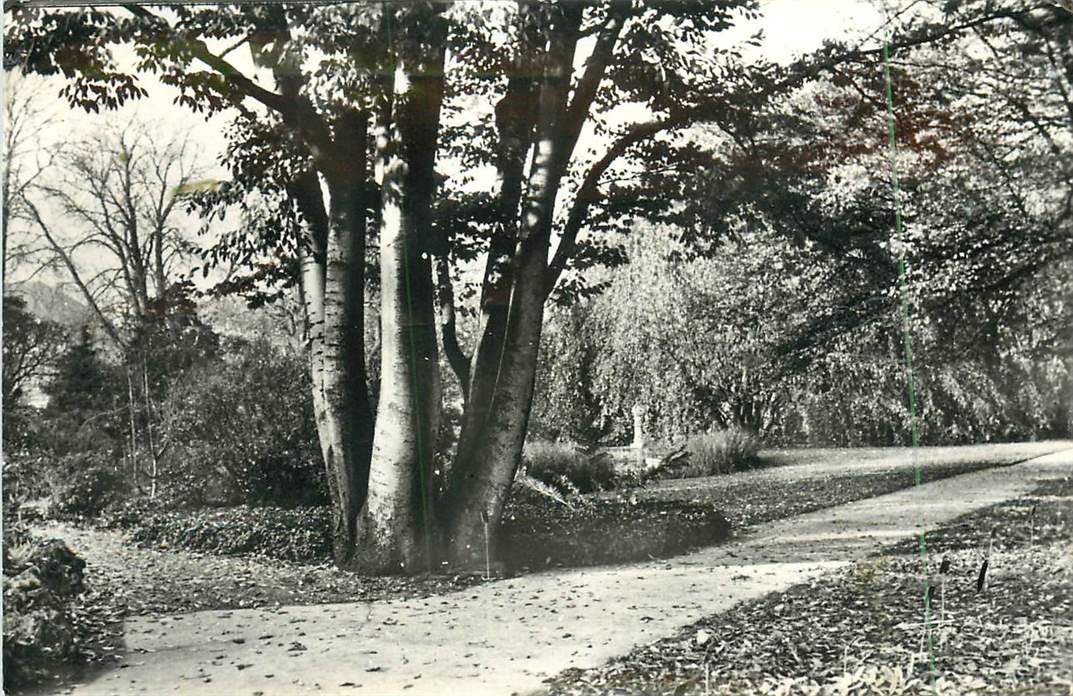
[{"x": 339, "y": 129}]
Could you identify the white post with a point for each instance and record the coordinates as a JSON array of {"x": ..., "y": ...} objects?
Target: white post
[{"x": 638, "y": 426}]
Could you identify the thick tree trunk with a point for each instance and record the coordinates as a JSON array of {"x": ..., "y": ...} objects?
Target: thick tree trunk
[
  {"x": 489, "y": 454},
  {"x": 332, "y": 260},
  {"x": 347, "y": 441},
  {"x": 396, "y": 528},
  {"x": 482, "y": 475}
]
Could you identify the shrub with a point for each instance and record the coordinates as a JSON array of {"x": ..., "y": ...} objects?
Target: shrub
[
  {"x": 42, "y": 579},
  {"x": 566, "y": 465},
  {"x": 721, "y": 452},
  {"x": 90, "y": 485},
  {"x": 244, "y": 432},
  {"x": 713, "y": 454},
  {"x": 292, "y": 534}
]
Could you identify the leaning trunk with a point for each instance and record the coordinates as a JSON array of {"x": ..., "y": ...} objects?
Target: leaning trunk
[
  {"x": 490, "y": 452},
  {"x": 482, "y": 475},
  {"x": 515, "y": 115},
  {"x": 396, "y": 528}
]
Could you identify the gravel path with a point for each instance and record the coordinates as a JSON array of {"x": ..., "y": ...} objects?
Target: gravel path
[{"x": 507, "y": 637}]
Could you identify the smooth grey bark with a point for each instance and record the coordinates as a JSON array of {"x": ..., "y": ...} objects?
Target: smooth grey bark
[
  {"x": 515, "y": 116},
  {"x": 397, "y": 525},
  {"x": 332, "y": 268},
  {"x": 484, "y": 469},
  {"x": 332, "y": 285}
]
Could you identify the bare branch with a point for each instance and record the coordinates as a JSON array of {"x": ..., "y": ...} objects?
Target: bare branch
[{"x": 76, "y": 277}]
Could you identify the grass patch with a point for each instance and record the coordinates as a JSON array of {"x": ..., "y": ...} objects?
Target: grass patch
[
  {"x": 722, "y": 452},
  {"x": 751, "y": 501},
  {"x": 565, "y": 465},
  {"x": 858, "y": 630},
  {"x": 711, "y": 454}
]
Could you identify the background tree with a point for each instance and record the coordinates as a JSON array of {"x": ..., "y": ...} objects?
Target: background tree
[
  {"x": 125, "y": 254},
  {"x": 122, "y": 190},
  {"x": 28, "y": 116},
  {"x": 554, "y": 209},
  {"x": 31, "y": 346}
]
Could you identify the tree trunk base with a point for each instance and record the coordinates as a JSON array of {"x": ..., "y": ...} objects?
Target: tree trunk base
[{"x": 391, "y": 547}]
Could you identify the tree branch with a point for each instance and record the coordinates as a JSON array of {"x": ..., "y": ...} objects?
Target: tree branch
[
  {"x": 108, "y": 326},
  {"x": 595, "y": 68}
]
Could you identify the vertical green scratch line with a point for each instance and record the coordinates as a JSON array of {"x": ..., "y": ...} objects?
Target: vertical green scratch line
[{"x": 899, "y": 229}]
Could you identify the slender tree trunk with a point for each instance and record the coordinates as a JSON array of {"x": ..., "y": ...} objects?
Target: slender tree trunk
[
  {"x": 397, "y": 523},
  {"x": 484, "y": 468},
  {"x": 150, "y": 444},
  {"x": 445, "y": 308},
  {"x": 332, "y": 288},
  {"x": 133, "y": 431},
  {"x": 159, "y": 275}
]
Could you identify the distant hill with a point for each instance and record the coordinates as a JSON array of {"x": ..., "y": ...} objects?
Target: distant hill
[
  {"x": 49, "y": 302},
  {"x": 280, "y": 322}
]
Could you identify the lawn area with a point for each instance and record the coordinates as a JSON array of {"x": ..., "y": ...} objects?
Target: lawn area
[
  {"x": 796, "y": 481},
  {"x": 860, "y": 629},
  {"x": 834, "y": 458}
]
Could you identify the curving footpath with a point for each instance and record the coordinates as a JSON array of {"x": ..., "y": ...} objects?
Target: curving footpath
[{"x": 506, "y": 637}]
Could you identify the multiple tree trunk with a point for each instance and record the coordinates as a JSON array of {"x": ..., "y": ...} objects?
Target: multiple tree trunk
[
  {"x": 375, "y": 150},
  {"x": 388, "y": 516}
]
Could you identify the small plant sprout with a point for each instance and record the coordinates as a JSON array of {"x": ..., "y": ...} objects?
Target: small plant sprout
[
  {"x": 704, "y": 639},
  {"x": 981, "y": 578},
  {"x": 1032, "y": 526}
]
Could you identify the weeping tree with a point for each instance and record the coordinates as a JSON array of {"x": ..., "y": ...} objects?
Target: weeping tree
[{"x": 420, "y": 139}]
